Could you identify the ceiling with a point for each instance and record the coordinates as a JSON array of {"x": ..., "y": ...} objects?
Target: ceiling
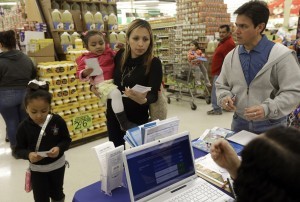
[{"x": 147, "y": 4}]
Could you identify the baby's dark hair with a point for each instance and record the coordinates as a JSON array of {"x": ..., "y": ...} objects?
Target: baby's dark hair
[
  {"x": 35, "y": 92},
  {"x": 196, "y": 44},
  {"x": 86, "y": 36},
  {"x": 8, "y": 39}
]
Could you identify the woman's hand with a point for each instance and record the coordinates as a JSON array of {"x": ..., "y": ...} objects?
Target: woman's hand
[
  {"x": 86, "y": 72},
  {"x": 53, "y": 153},
  {"x": 225, "y": 156},
  {"x": 136, "y": 96},
  {"x": 34, "y": 157}
]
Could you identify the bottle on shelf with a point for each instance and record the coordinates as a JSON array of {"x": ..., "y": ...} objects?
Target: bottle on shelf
[
  {"x": 65, "y": 6},
  {"x": 104, "y": 12},
  {"x": 75, "y": 6},
  {"x": 67, "y": 20},
  {"x": 93, "y": 8},
  {"x": 85, "y": 7},
  {"x": 112, "y": 22},
  {"x": 113, "y": 39},
  {"x": 65, "y": 40},
  {"x": 122, "y": 37},
  {"x": 99, "y": 21},
  {"x": 89, "y": 20},
  {"x": 78, "y": 43},
  {"x": 54, "y": 5},
  {"x": 56, "y": 18},
  {"x": 74, "y": 36}
]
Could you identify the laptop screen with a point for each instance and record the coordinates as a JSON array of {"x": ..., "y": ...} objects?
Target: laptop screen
[{"x": 159, "y": 166}]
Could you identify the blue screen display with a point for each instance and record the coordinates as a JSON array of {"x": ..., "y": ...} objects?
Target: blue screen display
[{"x": 159, "y": 166}]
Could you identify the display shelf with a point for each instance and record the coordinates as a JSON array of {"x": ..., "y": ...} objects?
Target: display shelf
[
  {"x": 78, "y": 10},
  {"x": 73, "y": 101}
]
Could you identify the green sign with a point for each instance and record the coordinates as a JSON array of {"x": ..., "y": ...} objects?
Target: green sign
[
  {"x": 82, "y": 121},
  {"x": 154, "y": 12}
]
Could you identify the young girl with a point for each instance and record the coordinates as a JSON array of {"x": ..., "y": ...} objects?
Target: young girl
[
  {"x": 95, "y": 44},
  {"x": 47, "y": 173},
  {"x": 194, "y": 57}
]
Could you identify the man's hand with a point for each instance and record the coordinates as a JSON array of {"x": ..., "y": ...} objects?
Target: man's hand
[
  {"x": 228, "y": 103},
  {"x": 254, "y": 113},
  {"x": 225, "y": 156}
]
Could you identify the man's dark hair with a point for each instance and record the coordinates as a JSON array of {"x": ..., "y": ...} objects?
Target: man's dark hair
[
  {"x": 225, "y": 26},
  {"x": 257, "y": 11},
  {"x": 270, "y": 164}
]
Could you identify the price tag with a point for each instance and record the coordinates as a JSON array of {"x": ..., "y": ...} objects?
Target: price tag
[{"x": 82, "y": 121}]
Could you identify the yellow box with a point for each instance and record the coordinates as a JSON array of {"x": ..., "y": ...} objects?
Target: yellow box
[
  {"x": 90, "y": 133},
  {"x": 76, "y": 137}
]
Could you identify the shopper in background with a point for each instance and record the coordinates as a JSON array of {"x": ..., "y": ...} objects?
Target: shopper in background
[
  {"x": 195, "y": 58},
  {"x": 16, "y": 70},
  {"x": 95, "y": 43},
  {"x": 47, "y": 173},
  {"x": 259, "y": 79},
  {"x": 269, "y": 167},
  {"x": 225, "y": 45},
  {"x": 135, "y": 65}
]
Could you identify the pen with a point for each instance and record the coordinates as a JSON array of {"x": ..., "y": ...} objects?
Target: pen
[
  {"x": 231, "y": 188},
  {"x": 234, "y": 96}
]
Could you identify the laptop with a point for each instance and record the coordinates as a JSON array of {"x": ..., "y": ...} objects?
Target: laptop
[{"x": 164, "y": 169}]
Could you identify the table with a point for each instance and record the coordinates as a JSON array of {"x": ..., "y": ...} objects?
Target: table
[{"x": 93, "y": 193}]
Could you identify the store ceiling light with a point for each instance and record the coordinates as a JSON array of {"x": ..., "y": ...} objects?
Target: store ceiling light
[
  {"x": 8, "y": 3},
  {"x": 145, "y": 2}
]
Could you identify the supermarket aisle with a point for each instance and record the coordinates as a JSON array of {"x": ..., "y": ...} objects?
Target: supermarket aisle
[{"x": 84, "y": 168}]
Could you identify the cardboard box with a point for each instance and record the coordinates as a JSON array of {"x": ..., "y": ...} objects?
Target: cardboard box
[
  {"x": 48, "y": 51},
  {"x": 36, "y": 60}
]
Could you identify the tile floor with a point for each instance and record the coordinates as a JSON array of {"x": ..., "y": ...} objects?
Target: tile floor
[{"x": 84, "y": 167}]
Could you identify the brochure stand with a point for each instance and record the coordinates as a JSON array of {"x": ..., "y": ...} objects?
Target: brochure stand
[{"x": 111, "y": 166}]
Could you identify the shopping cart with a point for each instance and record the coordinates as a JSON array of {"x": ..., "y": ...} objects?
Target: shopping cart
[{"x": 185, "y": 87}]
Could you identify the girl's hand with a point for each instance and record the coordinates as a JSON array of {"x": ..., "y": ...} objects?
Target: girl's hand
[
  {"x": 34, "y": 157},
  {"x": 86, "y": 72},
  {"x": 94, "y": 90},
  {"x": 136, "y": 96},
  {"x": 53, "y": 152}
]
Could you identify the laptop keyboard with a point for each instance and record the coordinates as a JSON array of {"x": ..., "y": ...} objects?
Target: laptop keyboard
[{"x": 203, "y": 192}]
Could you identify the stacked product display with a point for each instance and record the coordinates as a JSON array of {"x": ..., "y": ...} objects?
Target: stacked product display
[
  {"x": 200, "y": 18},
  {"x": 12, "y": 18},
  {"x": 73, "y": 100},
  {"x": 212, "y": 13},
  {"x": 162, "y": 31}
]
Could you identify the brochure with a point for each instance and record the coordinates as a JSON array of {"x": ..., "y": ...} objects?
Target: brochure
[
  {"x": 209, "y": 170},
  {"x": 151, "y": 131},
  {"x": 111, "y": 166},
  {"x": 43, "y": 153},
  {"x": 205, "y": 146},
  {"x": 243, "y": 137},
  {"x": 94, "y": 64},
  {"x": 211, "y": 135}
]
